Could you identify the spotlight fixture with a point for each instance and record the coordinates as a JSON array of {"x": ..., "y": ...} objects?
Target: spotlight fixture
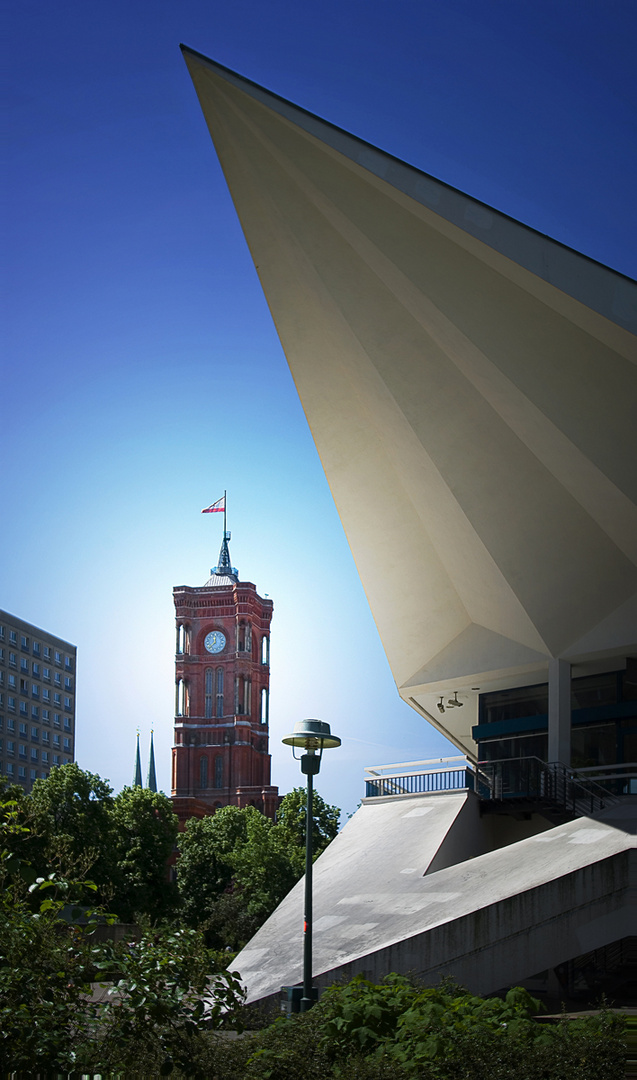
[
  {"x": 454, "y": 700},
  {"x": 441, "y": 707}
]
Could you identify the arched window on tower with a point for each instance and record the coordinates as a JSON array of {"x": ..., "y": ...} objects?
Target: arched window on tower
[
  {"x": 265, "y": 649},
  {"x": 218, "y": 771},
  {"x": 183, "y": 638},
  {"x": 203, "y": 772},
  {"x": 220, "y": 691},
  {"x": 247, "y": 696},
  {"x": 208, "y": 680},
  {"x": 182, "y": 703},
  {"x": 265, "y": 706}
]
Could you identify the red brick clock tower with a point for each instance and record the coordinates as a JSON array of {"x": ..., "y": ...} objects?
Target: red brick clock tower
[{"x": 222, "y": 687}]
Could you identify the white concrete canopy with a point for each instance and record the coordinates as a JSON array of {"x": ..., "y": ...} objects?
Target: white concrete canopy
[{"x": 471, "y": 386}]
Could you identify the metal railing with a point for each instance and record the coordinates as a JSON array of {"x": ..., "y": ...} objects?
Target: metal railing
[
  {"x": 525, "y": 779},
  {"x": 549, "y": 783},
  {"x": 414, "y": 778}
]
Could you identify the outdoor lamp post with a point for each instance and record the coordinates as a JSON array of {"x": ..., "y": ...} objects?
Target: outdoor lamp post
[{"x": 313, "y": 736}]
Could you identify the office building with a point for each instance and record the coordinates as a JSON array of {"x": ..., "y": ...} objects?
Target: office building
[{"x": 37, "y": 701}]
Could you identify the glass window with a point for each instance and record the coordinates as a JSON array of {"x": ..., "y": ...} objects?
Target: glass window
[
  {"x": 68, "y": 663},
  {"x": 12, "y": 659},
  {"x": 57, "y": 678},
  {"x": 203, "y": 772},
  {"x": 45, "y": 736},
  {"x": 56, "y": 759},
  {"x": 592, "y": 690},
  {"x": 1, "y": 633},
  {"x": 36, "y": 648},
  {"x": 67, "y": 745},
  {"x": 58, "y": 657},
  {"x": 35, "y": 734},
  {"x": 46, "y": 694},
  {"x": 514, "y": 704},
  {"x": 46, "y": 673},
  {"x": 46, "y": 652},
  {"x": 45, "y": 757},
  {"x": 23, "y": 729},
  {"x": 23, "y": 708},
  {"x": 56, "y": 719},
  {"x": 11, "y": 703},
  {"x": 57, "y": 700},
  {"x": 10, "y": 746},
  {"x": 22, "y": 750},
  {"x": 13, "y": 637},
  {"x": 35, "y": 690},
  {"x": 56, "y": 740},
  {"x": 24, "y": 665},
  {"x": 35, "y": 712},
  {"x": 68, "y": 683},
  {"x": 208, "y": 696},
  {"x": 34, "y": 754},
  {"x": 219, "y": 771},
  {"x": 24, "y": 641},
  {"x": 35, "y": 670},
  {"x": 12, "y": 682},
  {"x": 67, "y": 703},
  {"x": 24, "y": 686},
  {"x": 9, "y": 768},
  {"x": 593, "y": 744},
  {"x": 10, "y": 723},
  {"x": 46, "y": 716},
  {"x": 22, "y": 772},
  {"x": 534, "y": 745}
]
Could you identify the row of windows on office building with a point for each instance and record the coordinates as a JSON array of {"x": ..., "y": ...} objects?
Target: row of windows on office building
[
  {"x": 36, "y": 648},
  {"x": 23, "y": 775},
  {"x": 214, "y": 696},
  {"x": 43, "y": 714}
]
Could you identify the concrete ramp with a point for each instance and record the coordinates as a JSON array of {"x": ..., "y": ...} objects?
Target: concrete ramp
[{"x": 489, "y": 921}]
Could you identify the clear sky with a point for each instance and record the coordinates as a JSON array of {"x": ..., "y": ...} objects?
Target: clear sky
[{"x": 141, "y": 371}]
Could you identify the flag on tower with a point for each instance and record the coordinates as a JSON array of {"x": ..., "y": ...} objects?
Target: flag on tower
[{"x": 217, "y": 507}]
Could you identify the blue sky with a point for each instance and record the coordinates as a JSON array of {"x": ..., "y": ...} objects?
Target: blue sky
[{"x": 141, "y": 371}]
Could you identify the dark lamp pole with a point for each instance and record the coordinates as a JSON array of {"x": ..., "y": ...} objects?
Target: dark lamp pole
[{"x": 313, "y": 736}]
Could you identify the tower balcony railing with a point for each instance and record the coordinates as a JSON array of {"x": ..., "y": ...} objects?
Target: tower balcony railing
[{"x": 429, "y": 777}]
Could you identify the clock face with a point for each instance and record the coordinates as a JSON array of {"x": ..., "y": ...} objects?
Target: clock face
[{"x": 215, "y": 641}]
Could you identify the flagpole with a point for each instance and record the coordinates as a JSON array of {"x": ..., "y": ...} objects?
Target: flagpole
[{"x": 224, "y": 515}]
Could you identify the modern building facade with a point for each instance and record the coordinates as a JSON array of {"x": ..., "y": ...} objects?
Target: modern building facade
[
  {"x": 222, "y": 695},
  {"x": 477, "y": 380},
  {"x": 37, "y": 701}
]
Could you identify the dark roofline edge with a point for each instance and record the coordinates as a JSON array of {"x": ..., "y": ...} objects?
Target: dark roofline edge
[{"x": 250, "y": 84}]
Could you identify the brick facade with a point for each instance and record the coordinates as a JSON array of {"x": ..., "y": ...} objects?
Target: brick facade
[{"x": 220, "y": 753}]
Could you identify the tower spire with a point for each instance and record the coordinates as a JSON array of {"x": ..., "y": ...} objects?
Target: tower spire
[
  {"x": 151, "y": 782},
  {"x": 137, "y": 782},
  {"x": 225, "y": 567}
]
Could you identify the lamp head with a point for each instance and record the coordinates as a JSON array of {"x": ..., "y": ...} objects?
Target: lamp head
[{"x": 312, "y": 735}]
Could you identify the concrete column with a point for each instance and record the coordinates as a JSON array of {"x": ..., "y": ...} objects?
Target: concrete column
[{"x": 560, "y": 711}]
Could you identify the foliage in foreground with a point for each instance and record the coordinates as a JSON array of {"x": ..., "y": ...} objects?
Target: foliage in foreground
[
  {"x": 166, "y": 995},
  {"x": 400, "y": 1031}
]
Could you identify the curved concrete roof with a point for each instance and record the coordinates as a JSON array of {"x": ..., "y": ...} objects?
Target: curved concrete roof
[{"x": 471, "y": 386}]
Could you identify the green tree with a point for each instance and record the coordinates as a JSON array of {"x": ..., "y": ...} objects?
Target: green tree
[
  {"x": 143, "y": 832},
  {"x": 236, "y": 866},
  {"x": 69, "y": 821},
  {"x": 204, "y": 870},
  {"x": 290, "y": 822}
]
